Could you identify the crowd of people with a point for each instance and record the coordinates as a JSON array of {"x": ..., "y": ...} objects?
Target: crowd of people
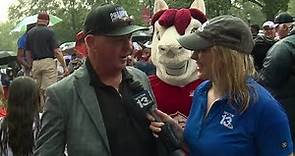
[
  {"x": 106, "y": 106},
  {"x": 274, "y": 55}
]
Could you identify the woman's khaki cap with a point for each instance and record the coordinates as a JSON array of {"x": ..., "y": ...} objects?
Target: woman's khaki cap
[{"x": 226, "y": 30}]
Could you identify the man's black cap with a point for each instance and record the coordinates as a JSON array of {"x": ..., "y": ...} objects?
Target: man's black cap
[
  {"x": 283, "y": 17},
  {"x": 110, "y": 20},
  {"x": 226, "y": 30}
]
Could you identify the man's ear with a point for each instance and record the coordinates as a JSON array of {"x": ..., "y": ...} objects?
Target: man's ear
[
  {"x": 90, "y": 41},
  {"x": 288, "y": 26}
]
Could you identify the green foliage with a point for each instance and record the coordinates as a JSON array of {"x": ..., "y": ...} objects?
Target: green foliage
[
  {"x": 73, "y": 15},
  {"x": 249, "y": 12},
  {"x": 291, "y": 7},
  {"x": 73, "y": 12},
  {"x": 8, "y": 41},
  {"x": 217, "y": 7},
  {"x": 272, "y": 7},
  {"x": 179, "y": 3},
  {"x": 134, "y": 9}
]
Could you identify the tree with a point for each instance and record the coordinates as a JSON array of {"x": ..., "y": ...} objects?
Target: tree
[
  {"x": 291, "y": 7},
  {"x": 72, "y": 12},
  {"x": 179, "y": 3},
  {"x": 134, "y": 9},
  {"x": 217, "y": 7},
  {"x": 272, "y": 7},
  {"x": 8, "y": 41},
  {"x": 249, "y": 12}
]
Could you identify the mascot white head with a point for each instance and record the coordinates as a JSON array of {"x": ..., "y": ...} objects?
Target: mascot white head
[{"x": 173, "y": 63}]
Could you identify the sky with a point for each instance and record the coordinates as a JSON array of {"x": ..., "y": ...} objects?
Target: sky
[{"x": 4, "y": 4}]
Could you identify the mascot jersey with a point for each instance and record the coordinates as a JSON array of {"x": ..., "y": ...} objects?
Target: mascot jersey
[{"x": 173, "y": 99}]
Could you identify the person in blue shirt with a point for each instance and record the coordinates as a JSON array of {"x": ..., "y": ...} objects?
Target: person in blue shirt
[
  {"x": 22, "y": 58},
  {"x": 231, "y": 114}
]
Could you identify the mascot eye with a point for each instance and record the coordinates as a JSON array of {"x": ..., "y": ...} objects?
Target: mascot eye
[
  {"x": 194, "y": 29},
  {"x": 158, "y": 35}
]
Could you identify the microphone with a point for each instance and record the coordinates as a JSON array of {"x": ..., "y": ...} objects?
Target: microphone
[{"x": 146, "y": 103}]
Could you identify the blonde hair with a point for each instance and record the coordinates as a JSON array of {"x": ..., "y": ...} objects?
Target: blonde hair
[{"x": 230, "y": 70}]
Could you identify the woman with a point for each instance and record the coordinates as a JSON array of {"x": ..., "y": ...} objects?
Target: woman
[
  {"x": 231, "y": 114},
  {"x": 20, "y": 125}
]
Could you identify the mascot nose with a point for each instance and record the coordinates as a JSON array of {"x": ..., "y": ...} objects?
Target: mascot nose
[{"x": 170, "y": 48}]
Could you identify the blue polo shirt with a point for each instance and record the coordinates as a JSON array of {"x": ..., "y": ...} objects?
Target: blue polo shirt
[
  {"x": 21, "y": 43},
  {"x": 262, "y": 130}
]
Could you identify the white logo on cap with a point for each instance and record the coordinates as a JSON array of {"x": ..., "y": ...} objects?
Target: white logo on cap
[{"x": 119, "y": 14}]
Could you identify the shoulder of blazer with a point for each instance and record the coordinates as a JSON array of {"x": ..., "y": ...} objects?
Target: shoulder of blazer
[
  {"x": 81, "y": 75},
  {"x": 138, "y": 75}
]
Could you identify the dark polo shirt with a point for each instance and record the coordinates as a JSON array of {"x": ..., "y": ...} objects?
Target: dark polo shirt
[
  {"x": 127, "y": 130},
  {"x": 41, "y": 42}
]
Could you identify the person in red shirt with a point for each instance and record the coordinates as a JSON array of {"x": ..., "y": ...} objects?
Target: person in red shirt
[{"x": 80, "y": 46}]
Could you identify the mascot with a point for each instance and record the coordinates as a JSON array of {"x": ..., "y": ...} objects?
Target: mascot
[{"x": 176, "y": 75}]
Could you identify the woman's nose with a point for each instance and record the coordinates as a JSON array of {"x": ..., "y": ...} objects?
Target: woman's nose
[{"x": 195, "y": 55}]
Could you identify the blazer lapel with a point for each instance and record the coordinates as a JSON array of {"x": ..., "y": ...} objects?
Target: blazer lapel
[{"x": 88, "y": 97}]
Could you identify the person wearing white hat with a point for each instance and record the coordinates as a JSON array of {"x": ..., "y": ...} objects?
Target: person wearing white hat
[
  {"x": 278, "y": 72},
  {"x": 263, "y": 43},
  {"x": 268, "y": 29}
]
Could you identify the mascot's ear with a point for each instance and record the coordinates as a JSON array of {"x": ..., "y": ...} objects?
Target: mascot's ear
[
  {"x": 160, "y": 5},
  {"x": 199, "y": 4}
]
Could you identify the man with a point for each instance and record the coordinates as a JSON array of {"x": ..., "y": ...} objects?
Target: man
[
  {"x": 254, "y": 30},
  {"x": 91, "y": 112},
  {"x": 283, "y": 24},
  {"x": 144, "y": 63},
  {"x": 263, "y": 43},
  {"x": 278, "y": 72},
  {"x": 268, "y": 29},
  {"x": 42, "y": 48},
  {"x": 22, "y": 58}
]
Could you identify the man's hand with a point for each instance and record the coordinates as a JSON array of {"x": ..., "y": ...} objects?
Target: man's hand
[
  {"x": 66, "y": 71},
  {"x": 155, "y": 126},
  {"x": 61, "y": 60}
]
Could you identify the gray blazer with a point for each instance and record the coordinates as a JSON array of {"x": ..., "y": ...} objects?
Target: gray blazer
[{"x": 72, "y": 117}]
